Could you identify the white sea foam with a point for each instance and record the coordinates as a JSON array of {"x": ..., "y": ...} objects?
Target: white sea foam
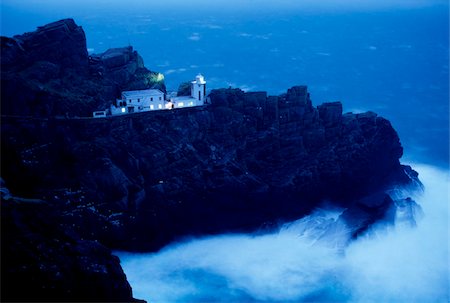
[
  {"x": 194, "y": 37},
  {"x": 302, "y": 262}
]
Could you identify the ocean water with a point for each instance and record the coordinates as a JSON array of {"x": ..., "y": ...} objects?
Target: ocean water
[
  {"x": 390, "y": 57},
  {"x": 307, "y": 261}
]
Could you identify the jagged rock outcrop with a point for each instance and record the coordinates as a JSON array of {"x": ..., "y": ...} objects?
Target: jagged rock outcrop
[
  {"x": 43, "y": 259},
  {"x": 125, "y": 68},
  {"x": 62, "y": 43},
  {"x": 243, "y": 162},
  {"x": 48, "y": 72},
  {"x": 184, "y": 89}
]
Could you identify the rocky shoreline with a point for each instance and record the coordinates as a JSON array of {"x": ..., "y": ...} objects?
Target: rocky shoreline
[{"x": 245, "y": 162}]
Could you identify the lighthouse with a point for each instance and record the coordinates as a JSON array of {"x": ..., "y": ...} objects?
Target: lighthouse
[
  {"x": 198, "y": 89},
  {"x": 137, "y": 101}
]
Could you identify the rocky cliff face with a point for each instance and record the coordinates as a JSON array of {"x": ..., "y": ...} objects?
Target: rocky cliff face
[
  {"x": 43, "y": 259},
  {"x": 246, "y": 161},
  {"x": 62, "y": 43},
  {"x": 49, "y": 73}
]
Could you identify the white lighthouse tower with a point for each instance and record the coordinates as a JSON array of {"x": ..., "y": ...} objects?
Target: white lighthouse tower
[{"x": 198, "y": 89}]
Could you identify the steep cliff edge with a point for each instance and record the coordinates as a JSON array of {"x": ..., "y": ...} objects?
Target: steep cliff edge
[
  {"x": 43, "y": 259},
  {"x": 48, "y": 72},
  {"x": 247, "y": 161}
]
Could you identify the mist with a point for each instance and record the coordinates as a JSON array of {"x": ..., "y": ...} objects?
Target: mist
[{"x": 308, "y": 261}]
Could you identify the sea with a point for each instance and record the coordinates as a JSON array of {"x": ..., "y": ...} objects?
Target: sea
[{"x": 389, "y": 57}]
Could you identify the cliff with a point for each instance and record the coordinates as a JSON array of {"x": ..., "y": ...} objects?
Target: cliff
[
  {"x": 48, "y": 72},
  {"x": 245, "y": 162},
  {"x": 43, "y": 259}
]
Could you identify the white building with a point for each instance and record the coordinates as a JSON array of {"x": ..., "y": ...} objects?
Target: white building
[
  {"x": 198, "y": 89},
  {"x": 197, "y": 97},
  {"x": 136, "y": 101}
]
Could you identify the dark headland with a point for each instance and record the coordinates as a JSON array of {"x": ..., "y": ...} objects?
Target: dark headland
[{"x": 75, "y": 188}]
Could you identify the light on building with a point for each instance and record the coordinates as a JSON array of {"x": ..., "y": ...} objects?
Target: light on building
[
  {"x": 180, "y": 104},
  {"x": 191, "y": 103},
  {"x": 123, "y": 109},
  {"x": 159, "y": 106},
  {"x": 159, "y": 77},
  {"x": 152, "y": 106}
]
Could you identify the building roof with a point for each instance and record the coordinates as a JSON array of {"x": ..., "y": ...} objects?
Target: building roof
[
  {"x": 199, "y": 79},
  {"x": 138, "y": 93}
]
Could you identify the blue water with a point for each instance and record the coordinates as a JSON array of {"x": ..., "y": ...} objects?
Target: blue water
[
  {"x": 306, "y": 262},
  {"x": 390, "y": 57},
  {"x": 393, "y": 61}
]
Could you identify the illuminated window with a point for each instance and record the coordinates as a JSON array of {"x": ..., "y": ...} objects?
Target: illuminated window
[
  {"x": 191, "y": 103},
  {"x": 123, "y": 109},
  {"x": 180, "y": 104},
  {"x": 152, "y": 106},
  {"x": 159, "y": 106}
]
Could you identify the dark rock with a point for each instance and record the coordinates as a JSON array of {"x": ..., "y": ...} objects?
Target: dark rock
[
  {"x": 381, "y": 211},
  {"x": 298, "y": 95},
  {"x": 184, "y": 89},
  {"x": 228, "y": 97},
  {"x": 44, "y": 260},
  {"x": 117, "y": 57},
  {"x": 124, "y": 68},
  {"x": 209, "y": 169},
  {"x": 407, "y": 212},
  {"x": 139, "y": 181},
  {"x": 330, "y": 113},
  {"x": 48, "y": 73},
  {"x": 365, "y": 212},
  {"x": 61, "y": 42}
]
